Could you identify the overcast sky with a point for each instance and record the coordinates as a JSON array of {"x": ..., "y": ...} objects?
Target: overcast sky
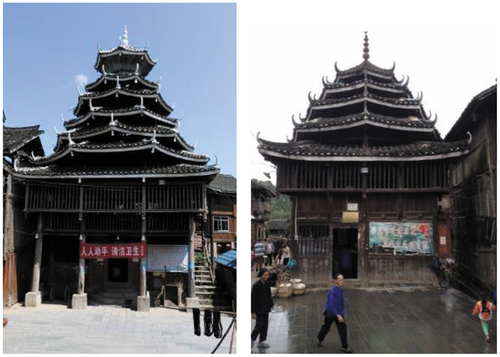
[{"x": 449, "y": 53}]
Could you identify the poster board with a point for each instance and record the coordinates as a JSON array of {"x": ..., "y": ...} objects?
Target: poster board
[
  {"x": 169, "y": 258},
  {"x": 401, "y": 237}
]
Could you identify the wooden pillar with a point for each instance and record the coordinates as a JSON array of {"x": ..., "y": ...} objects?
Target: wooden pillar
[
  {"x": 192, "y": 231},
  {"x": 10, "y": 275},
  {"x": 142, "y": 277},
  {"x": 35, "y": 283},
  {"x": 81, "y": 262}
]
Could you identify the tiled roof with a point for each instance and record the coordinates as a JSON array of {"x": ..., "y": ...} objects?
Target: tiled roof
[
  {"x": 324, "y": 151},
  {"x": 223, "y": 183},
  {"x": 119, "y": 146},
  {"x": 368, "y": 66},
  {"x": 409, "y": 122},
  {"x": 281, "y": 224},
  {"x": 137, "y": 129},
  {"x": 118, "y": 111},
  {"x": 55, "y": 171},
  {"x": 15, "y": 138},
  {"x": 461, "y": 124}
]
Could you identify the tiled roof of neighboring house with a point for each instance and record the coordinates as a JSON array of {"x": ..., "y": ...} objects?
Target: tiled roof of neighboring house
[
  {"x": 462, "y": 122},
  {"x": 256, "y": 186},
  {"x": 227, "y": 259},
  {"x": 279, "y": 224},
  {"x": 16, "y": 138},
  {"x": 223, "y": 183}
]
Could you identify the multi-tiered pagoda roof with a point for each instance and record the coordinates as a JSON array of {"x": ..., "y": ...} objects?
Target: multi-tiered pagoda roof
[
  {"x": 122, "y": 126},
  {"x": 365, "y": 114}
]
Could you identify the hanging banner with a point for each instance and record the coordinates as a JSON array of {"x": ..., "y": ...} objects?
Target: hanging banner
[
  {"x": 168, "y": 258},
  {"x": 128, "y": 250}
]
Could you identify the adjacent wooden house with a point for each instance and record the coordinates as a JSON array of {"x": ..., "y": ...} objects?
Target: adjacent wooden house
[
  {"x": 261, "y": 209},
  {"x": 222, "y": 214},
  {"x": 473, "y": 204},
  {"x": 122, "y": 197},
  {"x": 368, "y": 173},
  {"x": 18, "y": 243}
]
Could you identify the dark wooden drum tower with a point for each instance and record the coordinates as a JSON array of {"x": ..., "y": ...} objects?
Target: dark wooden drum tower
[{"x": 368, "y": 173}]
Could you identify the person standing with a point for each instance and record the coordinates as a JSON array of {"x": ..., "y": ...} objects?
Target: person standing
[
  {"x": 269, "y": 251},
  {"x": 484, "y": 308},
  {"x": 285, "y": 253},
  {"x": 259, "y": 250},
  {"x": 277, "y": 249},
  {"x": 262, "y": 302},
  {"x": 335, "y": 311}
]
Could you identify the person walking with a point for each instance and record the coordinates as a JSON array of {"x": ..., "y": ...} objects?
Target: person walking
[
  {"x": 334, "y": 311},
  {"x": 484, "y": 309},
  {"x": 259, "y": 250},
  {"x": 261, "y": 305}
]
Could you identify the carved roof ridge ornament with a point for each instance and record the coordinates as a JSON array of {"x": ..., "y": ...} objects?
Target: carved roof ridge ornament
[
  {"x": 124, "y": 38},
  {"x": 366, "y": 49}
]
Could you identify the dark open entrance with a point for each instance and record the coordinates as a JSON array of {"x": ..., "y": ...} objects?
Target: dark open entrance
[
  {"x": 118, "y": 270},
  {"x": 345, "y": 252}
]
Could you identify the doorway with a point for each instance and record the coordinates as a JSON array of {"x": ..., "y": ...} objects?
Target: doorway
[
  {"x": 118, "y": 270},
  {"x": 345, "y": 252}
]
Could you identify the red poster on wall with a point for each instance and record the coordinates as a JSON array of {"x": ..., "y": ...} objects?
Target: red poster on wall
[{"x": 129, "y": 250}]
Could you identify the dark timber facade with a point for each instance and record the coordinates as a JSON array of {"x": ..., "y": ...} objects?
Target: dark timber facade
[
  {"x": 368, "y": 174},
  {"x": 120, "y": 177}
]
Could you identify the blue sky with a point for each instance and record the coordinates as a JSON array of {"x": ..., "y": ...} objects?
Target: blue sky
[{"x": 49, "y": 48}]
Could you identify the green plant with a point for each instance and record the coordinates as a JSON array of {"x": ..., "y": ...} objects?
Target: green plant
[{"x": 200, "y": 258}]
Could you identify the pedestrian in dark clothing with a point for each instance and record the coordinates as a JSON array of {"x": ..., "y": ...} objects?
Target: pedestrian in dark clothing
[
  {"x": 277, "y": 249},
  {"x": 262, "y": 302},
  {"x": 334, "y": 312}
]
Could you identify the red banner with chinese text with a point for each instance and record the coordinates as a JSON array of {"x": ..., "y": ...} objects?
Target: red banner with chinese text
[{"x": 129, "y": 250}]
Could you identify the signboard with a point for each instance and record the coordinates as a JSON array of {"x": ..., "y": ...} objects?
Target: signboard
[
  {"x": 106, "y": 251},
  {"x": 170, "y": 258},
  {"x": 403, "y": 238},
  {"x": 350, "y": 217}
]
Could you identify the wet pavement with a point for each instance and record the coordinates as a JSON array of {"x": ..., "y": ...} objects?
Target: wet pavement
[
  {"x": 382, "y": 320},
  {"x": 53, "y": 328}
]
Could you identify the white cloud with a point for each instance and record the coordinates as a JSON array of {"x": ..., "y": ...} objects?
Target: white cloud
[{"x": 81, "y": 79}]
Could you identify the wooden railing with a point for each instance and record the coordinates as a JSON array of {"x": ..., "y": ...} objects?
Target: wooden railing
[
  {"x": 175, "y": 197},
  {"x": 380, "y": 176}
]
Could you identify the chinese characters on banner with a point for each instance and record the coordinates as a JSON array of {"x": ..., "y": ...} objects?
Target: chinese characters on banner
[{"x": 130, "y": 250}]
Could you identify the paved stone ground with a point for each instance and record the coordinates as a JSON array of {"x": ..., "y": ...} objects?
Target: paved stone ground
[
  {"x": 382, "y": 321},
  {"x": 55, "y": 329}
]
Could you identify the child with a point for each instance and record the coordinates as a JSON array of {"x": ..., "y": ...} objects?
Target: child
[{"x": 484, "y": 309}]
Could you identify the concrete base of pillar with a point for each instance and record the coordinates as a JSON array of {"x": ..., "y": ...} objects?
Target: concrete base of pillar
[
  {"x": 79, "y": 301},
  {"x": 192, "y": 303},
  {"x": 33, "y": 299},
  {"x": 143, "y": 303}
]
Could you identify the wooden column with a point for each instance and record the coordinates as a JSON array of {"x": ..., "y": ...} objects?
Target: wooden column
[
  {"x": 142, "y": 278},
  {"x": 192, "y": 231},
  {"x": 81, "y": 262},
  {"x": 10, "y": 275},
  {"x": 35, "y": 283}
]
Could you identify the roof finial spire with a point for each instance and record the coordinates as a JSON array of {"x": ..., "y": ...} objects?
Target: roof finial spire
[
  {"x": 366, "y": 50},
  {"x": 124, "y": 38}
]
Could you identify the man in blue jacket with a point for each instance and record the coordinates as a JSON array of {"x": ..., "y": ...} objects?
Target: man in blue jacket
[{"x": 334, "y": 311}]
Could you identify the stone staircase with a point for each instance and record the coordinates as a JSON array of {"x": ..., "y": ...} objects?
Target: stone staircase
[
  {"x": 207, "y": 293},
  {"x": 119, "y": 294}
]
